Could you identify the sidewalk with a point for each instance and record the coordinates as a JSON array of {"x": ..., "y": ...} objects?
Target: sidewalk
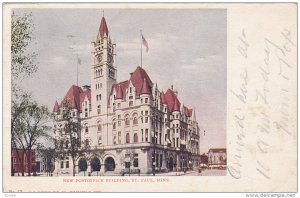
[{"x": 180, "y": 173}]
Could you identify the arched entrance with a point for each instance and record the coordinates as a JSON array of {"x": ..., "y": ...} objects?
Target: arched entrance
[
  {"x": 82, "y": 164},
  {"x": 109, "y": 164},
  {"x": 171, "y": 164},
  {"x": 95, "y": 164}
]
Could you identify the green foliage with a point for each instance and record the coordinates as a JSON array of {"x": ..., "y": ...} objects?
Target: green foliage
[
  {"x": 28, "y": 122},
  {"x": 23, "y": 61}
]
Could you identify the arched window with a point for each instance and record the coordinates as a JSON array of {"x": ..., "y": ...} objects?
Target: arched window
[
  {"x": 86, "y": 128},
  {"x": 135, "y": 119},
  {"x": 127, "y": 138},
  {"x": 127, "y": 121},
  {"x": 135, "y": 138},
  {"x": 99, "y": 127}
]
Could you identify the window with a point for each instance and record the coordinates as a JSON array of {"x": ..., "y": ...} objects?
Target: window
[
  {"x": 142, "y": 101},
  {"x": 135, "y": 120},
  {"x": 142, "y": 135},
  {"x": 99, "y": 127},
  {"x": 146, "y": 135},
  {"x": 119, "y": 137},
  {"x": 146, "y": 119},
  {"x": 136, "y": 160},
  {"x": 130, "y": 90},
  {"x": 86, "y": 112},
  {"x": 67, "y": 164},
  {"x": 119, "y": 105},
  {"x": 119, "y": 123},
  {"x": 127, "y": 121},
  {"x": 160, "y": 160},
  {"x": 100, "y": 140},
  {"x": 146, "y": 100},
  {"x": 127, "y": 138},
  {"x": 86, "y": 128},
  {"x": 61, "y": 164},
  {"x": 135, "y": 138},
  {"x": 146, "y": 112},
  {"x": 114, "y": 124},
  {"x": 130, "y": 103},
  {"x": 115, "y": 140},
  {"x": 127, "y": 160},
  {"x": 99, "y": 109}
]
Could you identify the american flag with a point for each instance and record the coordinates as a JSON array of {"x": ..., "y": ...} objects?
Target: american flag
[{"x": 145, "y": 43}]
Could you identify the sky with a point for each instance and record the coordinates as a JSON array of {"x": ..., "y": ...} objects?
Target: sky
[{"x": 187, "y": 49}]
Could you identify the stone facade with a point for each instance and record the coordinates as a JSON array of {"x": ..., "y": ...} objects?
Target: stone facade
[
  {"x": 131, "y": 126},
  {"x": 217, "y": 156}
]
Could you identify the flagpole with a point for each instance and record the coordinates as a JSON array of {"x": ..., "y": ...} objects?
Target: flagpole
[
  {"x": 77, "y": 68},
  {"x": 141, "y": 51}
]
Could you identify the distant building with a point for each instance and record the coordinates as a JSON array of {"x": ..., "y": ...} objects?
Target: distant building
[
  {"x": 138, "y": 126},
  {"x": 20, "y": 162},
  {"x": 204, "y": 159},
  {"x": 217, "y": 156}
]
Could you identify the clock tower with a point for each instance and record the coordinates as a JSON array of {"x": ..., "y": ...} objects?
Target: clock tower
[{"x": 103, "y": 70}]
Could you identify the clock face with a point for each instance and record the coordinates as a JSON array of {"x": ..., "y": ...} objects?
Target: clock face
[{"x": 99, "y": 58}]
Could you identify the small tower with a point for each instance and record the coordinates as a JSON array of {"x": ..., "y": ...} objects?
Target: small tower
[{"x": 103, "y": 69}]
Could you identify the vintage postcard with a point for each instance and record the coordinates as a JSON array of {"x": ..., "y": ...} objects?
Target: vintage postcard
[{"x": 141, "y": 97}]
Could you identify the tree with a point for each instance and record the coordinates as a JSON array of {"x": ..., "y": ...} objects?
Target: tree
[
  {"x": 23, "y": 60},
  {"x": 23, "y": 63},
  {"x": 29, "y": 127},
  {"x": 48, "y": 154},
  {"x": 19, "y": 104},
  {"x": 128, "y": 160},
  {"x": 69, "y": 142}
]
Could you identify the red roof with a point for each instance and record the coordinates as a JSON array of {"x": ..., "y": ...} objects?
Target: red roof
[
  {"x": 146, "y": 87},
  {"x": 176, "y": 105},
  {"x": 76, "y": 97},
  {"x": 163, "y": 98},
  {"x": 137, "y": 79},
  {"x": 103, "y": 30},
  {"x": 170, "y": 100},
  {"x": 55, "y": 108},
  {"x": 119, "y": 94}
]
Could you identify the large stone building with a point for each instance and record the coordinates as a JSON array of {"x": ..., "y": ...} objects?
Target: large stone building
[
  {"x": 135, "y": 125},
  {"x": 217, "y": 157}
]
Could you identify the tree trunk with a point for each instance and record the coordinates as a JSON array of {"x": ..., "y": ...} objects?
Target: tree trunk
[
  {"x": 29, "y": 161},
  {"x": 73, "y": 167}
]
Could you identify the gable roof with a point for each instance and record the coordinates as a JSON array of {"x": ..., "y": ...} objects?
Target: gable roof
[
  {"x": 137, "y": 79},
  {"x": 76, "y": 96}
]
